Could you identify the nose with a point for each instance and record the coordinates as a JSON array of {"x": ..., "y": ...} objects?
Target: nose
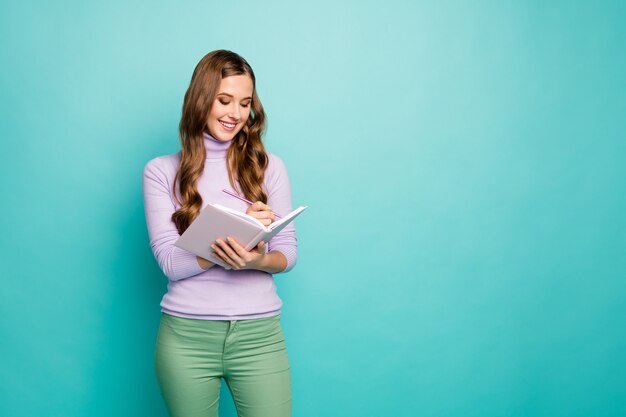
[{"x": 234, "y": 112}]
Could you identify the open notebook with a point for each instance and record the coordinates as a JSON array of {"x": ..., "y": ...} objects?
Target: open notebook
[{"x": 217, "y": 221}]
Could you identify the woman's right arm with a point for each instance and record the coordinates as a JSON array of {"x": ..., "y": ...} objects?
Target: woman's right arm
[
  {"x": 204, "y": 264},
  {"x": 176, "y": 263}
]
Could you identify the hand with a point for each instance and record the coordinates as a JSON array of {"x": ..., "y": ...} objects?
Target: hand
[
  {"x": 262, "y": 212},
  {"x": 233, "y": 254}
]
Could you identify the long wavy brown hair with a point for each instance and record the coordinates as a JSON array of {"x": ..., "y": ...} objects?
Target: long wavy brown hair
[{"x": 246, "y": 157}]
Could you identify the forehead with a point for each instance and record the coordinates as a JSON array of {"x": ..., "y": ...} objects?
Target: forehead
[{"x": 238, "y": 86}]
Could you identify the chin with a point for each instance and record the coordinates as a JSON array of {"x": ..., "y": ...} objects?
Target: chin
[{"x": 225, "y": 136}]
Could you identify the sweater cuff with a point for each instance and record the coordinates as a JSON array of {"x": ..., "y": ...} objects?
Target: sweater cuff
[
  {"x": 184, "y": 264},
  {"x": 290, "y": 253}
]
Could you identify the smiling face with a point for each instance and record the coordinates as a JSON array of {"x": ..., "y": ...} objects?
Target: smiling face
[{"x": 231, "y": 107}]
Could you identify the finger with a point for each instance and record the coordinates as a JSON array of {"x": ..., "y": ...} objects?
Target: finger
[
  {"x": 264, "y": 214},
  {"x": 219, "y": 254},
  {"x": 261, "y": 247},
  {"x": 228, "y": 250},
  {"x": 239, "y": 250},
  {"x": 265, "y": 222},
  {"x": 221, "y": 257},
  {"x": 265, "y": 217},
  {"x": 243, "y": 253},
  {"x": 260, "y": 206}
]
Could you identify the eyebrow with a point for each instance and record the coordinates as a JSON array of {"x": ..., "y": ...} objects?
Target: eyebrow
[{"x": 231, "y": 96}]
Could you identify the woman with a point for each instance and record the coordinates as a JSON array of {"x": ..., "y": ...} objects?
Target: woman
[{"x": 220, "y": 323}]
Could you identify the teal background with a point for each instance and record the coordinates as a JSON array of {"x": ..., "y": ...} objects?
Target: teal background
[{"x": 463, "y": 254}]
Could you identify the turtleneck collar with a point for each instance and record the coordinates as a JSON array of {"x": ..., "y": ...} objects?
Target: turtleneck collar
[{"x": 215, "y": 149}]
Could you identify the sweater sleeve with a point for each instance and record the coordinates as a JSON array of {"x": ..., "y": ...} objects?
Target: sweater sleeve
[
  {"x": 279, "y": 199},
  {"x": 176, "y": 263}
]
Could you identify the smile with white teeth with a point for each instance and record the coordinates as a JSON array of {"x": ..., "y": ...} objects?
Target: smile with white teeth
[{"x": 228, "y": 125}]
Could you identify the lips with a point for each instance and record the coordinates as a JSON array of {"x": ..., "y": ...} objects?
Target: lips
[{"x": 228, "y": 126}]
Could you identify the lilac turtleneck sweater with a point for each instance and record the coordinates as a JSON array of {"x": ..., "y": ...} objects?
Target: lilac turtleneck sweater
[{"x": 215, "y": 293}]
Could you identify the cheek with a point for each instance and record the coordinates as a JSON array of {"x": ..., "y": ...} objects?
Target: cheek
[{"x": 212, "y": 117}]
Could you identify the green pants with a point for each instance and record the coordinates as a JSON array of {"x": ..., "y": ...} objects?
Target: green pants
[{"x": 192, "y": 356}]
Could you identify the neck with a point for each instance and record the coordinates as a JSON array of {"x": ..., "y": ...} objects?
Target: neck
[{"x": 215, "y": 148}]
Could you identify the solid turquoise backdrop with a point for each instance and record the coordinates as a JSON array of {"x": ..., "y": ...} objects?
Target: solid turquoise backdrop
[{"x": 463, "y": 254}]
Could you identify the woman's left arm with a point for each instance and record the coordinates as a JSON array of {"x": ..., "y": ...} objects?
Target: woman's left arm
[{"x": 278, "y": 188}]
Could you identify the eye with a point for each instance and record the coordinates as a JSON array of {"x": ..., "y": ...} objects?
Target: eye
[
  {"x": 224, "y": 102},
  {"x": 245, "y": 105}
]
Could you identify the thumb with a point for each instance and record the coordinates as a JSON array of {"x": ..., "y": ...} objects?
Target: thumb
[{"x": 261, "y": 246}]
